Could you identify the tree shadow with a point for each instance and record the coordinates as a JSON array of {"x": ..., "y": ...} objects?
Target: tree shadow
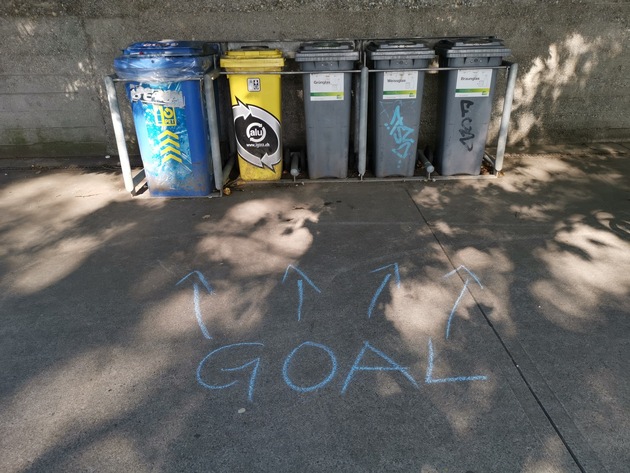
[{"x": 109, "y": 365}]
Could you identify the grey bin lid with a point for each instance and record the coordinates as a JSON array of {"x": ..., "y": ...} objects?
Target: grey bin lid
[
  {"x": 320, "y": 51},
  {"x": 399, "y": 49},
  {"x": 472, "y": 47}
]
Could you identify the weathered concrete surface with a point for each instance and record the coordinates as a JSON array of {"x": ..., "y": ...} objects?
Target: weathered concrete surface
[
  {"x": 502, "y": 348},
  {"x": 573, "y": 84}
]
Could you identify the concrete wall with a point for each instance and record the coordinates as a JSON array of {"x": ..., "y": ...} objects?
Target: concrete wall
[{"x": 574, "y": 68}]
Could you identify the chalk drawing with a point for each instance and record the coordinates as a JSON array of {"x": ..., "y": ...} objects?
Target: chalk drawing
[
  {"x": 461, "y": 294},
  {"x": 393, "y": 366},
  {"x": 429, "y": 379},
  {"x": 300, "y": 286},
  {"x": 291, "y": 366},
  {"x": 252, "y": 380},
  {"x": 450, "y": 317},
  {"x": 306, "y": 389},
  {"x": 196, "y": 297},
  {"x": 382, "y": 286},
  {"x": 462, "y": 267}
]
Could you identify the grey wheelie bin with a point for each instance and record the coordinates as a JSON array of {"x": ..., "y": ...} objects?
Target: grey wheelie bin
[
  {"x": 396, "y": 103},
  {"x": 327, "y": 99},
  {"x": 465, "y": 102}
]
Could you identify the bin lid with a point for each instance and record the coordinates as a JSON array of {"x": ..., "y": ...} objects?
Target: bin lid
[
  {"x": 248, "y": 58},
  {"x": 399, "y": 49},
  {"x": 165, "y": 61},
  {"x": 171, "y": 48},
  {"x": 472, "y": 47},
  {"x": 318, "y": 51}
]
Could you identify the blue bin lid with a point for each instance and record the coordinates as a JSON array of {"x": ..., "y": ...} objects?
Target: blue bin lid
[
  {"x": 399, "y": 49},
  {"x": 319, "y": 51},
  {"x": 171, "y": 48},
  {"x": 472, "y": 47},
  {"x": 165, "y": 61}
]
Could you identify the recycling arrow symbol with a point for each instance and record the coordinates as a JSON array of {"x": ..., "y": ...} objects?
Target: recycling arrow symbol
[{"x": 257, "y": 135}]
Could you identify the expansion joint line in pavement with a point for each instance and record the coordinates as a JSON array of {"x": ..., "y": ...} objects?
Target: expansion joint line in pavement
[{"x": 505, "y": 348}]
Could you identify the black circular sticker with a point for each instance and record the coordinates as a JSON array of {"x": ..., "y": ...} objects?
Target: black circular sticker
[{"x": 257, "y": 135}]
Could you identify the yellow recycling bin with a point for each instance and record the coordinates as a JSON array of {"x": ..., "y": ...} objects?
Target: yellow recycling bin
[{"x": 256, "y": 107}]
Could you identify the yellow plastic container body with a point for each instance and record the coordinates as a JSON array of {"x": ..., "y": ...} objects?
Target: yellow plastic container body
[{"x": 256, "y": 108}]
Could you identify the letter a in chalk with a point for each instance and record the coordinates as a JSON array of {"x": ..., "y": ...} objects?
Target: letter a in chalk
[{"x": 392, "y": 366}]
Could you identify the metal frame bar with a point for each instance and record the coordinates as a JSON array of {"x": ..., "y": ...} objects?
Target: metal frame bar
[
  {"x": 507, "y": 113},
  {"x": 221, "y": 174},
  {"x": 131, "y": 181},
  {"x": 213, "y": 128}
]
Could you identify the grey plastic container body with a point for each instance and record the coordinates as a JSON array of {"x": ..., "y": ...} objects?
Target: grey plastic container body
[
  {"x": 465, "y": 108},
  {"x": 396, "y": 105},
  {"x": 327, "y": 105}
]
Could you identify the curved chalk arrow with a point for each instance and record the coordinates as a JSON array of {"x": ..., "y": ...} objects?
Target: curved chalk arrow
[
  {"x": 300, "y": 286},
  {"x": 200, "y": 279},
  {"x": 461, "y": 294},
  {"x": 462, "y": 267},
  {"x": 383, "y": 284},
  {"x": 241, "y": 110}
]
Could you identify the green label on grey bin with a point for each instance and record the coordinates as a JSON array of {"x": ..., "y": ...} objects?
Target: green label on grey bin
[
  {"x": 473, "y": 83},
  {"x": 400, "y": 85},
  {"x": 326, "y": 87}
]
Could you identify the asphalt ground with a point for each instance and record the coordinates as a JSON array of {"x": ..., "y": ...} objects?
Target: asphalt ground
[{"x": 450, "y": 326}]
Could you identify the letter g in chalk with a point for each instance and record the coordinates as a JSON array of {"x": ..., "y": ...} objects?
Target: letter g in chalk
[{"x": 252, "y": 379}]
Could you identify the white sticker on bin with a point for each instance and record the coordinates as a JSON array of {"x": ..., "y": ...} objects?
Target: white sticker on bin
[
  {"x": 327, "y": 87},
  {"x": 473, "y": 83},
  {"x": 400, "y": 85}
]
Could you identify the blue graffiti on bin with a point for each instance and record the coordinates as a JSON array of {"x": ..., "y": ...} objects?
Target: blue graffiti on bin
[{"x": 400, "y": 132}]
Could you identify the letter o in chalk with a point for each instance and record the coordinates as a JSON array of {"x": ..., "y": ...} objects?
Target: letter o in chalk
[{"x": 307, "y": 389}]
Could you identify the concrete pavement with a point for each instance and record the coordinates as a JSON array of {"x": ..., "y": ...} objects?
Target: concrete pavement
[{"x": 450, "y": 326}]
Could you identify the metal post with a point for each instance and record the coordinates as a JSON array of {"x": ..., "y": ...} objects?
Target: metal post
[
  {"x": 357, "y": 110},
  {"x": 227, "y": 169},
  {"x": 428, "y": 167},
  {"x": 119, "y": 132},
  {"x": 363, "y": 121},
  {"x": 507, "y": 111},
  {"x": 213, "y": 128}
]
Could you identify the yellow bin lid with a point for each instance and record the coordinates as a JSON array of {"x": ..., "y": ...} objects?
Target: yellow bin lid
[{"x": 253, "y": 59}]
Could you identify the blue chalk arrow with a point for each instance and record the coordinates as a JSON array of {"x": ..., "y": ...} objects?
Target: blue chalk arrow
[
  {"x": 464, "y": 268},
  {"x": 383, "y": 284},
  {"x": 200, "y": 279},
  {"x": 461, "y": 294},
  {"x": 300, "y": 286}
]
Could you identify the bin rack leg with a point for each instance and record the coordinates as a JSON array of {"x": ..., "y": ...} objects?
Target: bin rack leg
[
  {"x": 213, "y": 128},
  {"x": 428, "y": 167},
  {"x": 505, "y": 119},
  {"x": 357, "y": 111},
  {"x": 363, "y": 121},
  {"x": 119, "y": 132}
]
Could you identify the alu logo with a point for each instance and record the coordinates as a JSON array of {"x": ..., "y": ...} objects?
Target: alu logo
[
  {"x": 258, "y": 138},
  {"x": 256, "y": 132}
]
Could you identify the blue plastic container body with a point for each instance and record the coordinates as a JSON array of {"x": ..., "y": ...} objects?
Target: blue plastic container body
[{"x": 166, "y": 95}]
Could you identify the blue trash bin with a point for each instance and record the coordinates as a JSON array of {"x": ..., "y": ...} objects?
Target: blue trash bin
[{"x": 166, "y": 94}]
